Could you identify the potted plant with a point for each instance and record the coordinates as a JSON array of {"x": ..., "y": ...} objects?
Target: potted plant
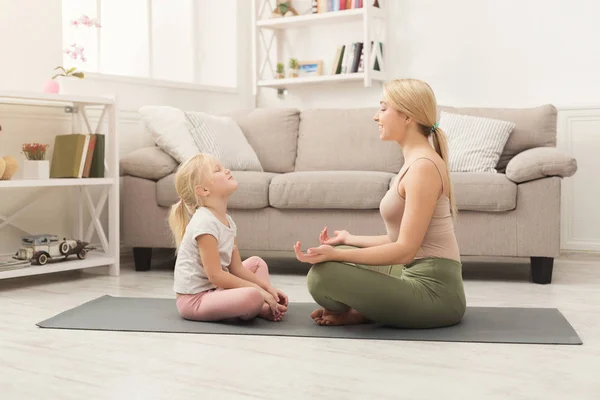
[
  {"x": 35, "y": 165},
  {"x": 293, "y": 64},
  {"x": 62, "y": 81},
  {"x": 280, "y": 71},
  {"x": 65, "y": 81}
]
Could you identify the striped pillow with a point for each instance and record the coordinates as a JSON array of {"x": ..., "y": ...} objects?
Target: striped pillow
[
  {"x": 224, "y": 139},
  {"x": 474, "y": 143}
]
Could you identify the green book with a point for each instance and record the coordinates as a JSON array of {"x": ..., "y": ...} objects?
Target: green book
[
  {"x": 67, "y": 156},
  {"x": 97, "y": 168}
]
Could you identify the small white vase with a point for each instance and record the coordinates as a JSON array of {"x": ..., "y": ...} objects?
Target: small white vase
[
  {"x": 71, "y": 85},
  {"x": 36, "y": 169}
]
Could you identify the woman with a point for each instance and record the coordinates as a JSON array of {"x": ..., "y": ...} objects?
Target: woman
[{"x": 412, "y": 276}]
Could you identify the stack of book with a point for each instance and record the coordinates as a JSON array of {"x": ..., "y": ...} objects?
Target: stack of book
[
  {"x": 324, "y": 6},
  {"x": 78, "y": 156},
  {"x": 349, "y": 58}
]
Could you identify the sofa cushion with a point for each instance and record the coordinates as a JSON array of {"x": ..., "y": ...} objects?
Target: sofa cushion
[
  {"x": 329, "y": 189},
  {"x": 482, "y": 191},
  {"x": 534, "y": 127},
  {"x": 252, "y": 192},
  {"x": 148, "y": 163},
  {"x": 344, "y": 139},
  {"x": 474, "y": 143},
  {"x": 273, "y": 134}
]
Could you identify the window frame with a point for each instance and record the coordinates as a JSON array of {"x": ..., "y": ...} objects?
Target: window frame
[{"x": 162, "y": 83}]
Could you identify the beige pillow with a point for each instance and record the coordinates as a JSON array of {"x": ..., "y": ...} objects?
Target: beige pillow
[
  {"x": 148, "y": 162},
  {"x": 540, "y": 162}
]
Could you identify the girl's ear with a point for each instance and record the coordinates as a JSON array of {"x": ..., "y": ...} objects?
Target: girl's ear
[{"x": 202, "y": 191}]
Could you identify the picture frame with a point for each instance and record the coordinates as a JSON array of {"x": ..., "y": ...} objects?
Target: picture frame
[{"x": 310, "y": 68}]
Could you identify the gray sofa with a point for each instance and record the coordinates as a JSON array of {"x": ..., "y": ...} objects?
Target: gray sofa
[{"x": 327, "y": 167}]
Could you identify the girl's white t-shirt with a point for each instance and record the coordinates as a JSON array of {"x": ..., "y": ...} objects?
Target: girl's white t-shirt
[{"x": 190, "y": 277}]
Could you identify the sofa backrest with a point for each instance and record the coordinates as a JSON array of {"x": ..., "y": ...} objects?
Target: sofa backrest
[
  {"x": 344, "y": 139},
  {"x": 535, "y": 127},
  {"x": 273, "y": 134}
]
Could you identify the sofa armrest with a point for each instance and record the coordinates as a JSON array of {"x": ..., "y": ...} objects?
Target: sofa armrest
[
  {"x": 148, "y": 162},
  {"x": 540, "y": 162}
]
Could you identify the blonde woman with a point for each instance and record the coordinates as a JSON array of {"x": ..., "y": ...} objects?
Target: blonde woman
[
  {"x": 411, "y": 277},
  {"x": 211, "y": 281}
]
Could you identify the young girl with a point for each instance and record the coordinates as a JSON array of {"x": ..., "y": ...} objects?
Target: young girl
[{"x": 211, "y": 281}]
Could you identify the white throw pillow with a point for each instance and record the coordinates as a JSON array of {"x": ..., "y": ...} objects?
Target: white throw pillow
[
  {"x": 169, "y": 129},
  {"x": 223, "y": 138},
  {"x": 474, "y": 143}
]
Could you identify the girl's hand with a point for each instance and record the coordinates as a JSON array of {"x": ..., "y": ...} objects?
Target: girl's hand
[
  {"x": 339, "y": 238},
  {"x": 279, "y": 296},
  {"x": 272, "y": 302},
  {"x": 283, "y": 299},
  {"x": 315, "y": 255}
]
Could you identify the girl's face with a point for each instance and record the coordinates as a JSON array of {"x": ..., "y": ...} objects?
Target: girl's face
[
  {"x": 221, "y": 183},
  {"x": 392, "y": 124}
]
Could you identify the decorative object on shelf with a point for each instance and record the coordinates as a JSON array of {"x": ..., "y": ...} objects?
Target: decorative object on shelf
[
  {"x": 2, "y": 166},
  {"x": 11, "y": 166},
  {"x": 280, "y": 71},
  {"x": 283, "y": 9},
  {"x": 310, "y": 68},
  {"x": 293, "y": 65},
  {"x": 43, "y": 248},
  {"x": 315, "y": 6},
  {"x": 66, "y": 77},
  {"x": 65, "y": 82},
  {"x": 35, "y": 165}
]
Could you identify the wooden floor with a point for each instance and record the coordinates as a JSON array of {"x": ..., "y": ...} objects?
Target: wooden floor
[{"x": 61, "y": 364}]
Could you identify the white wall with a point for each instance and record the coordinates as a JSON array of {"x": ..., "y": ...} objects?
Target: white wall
[
  {"x": 472, "y": 52},
  {"x": 31, "y": 46}
]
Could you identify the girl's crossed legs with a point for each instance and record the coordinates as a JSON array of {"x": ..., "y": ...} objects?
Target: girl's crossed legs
[{"x": 217, "y": 304}]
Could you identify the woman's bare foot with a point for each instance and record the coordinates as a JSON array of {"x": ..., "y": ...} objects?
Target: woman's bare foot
[
  {"x": 327, "y": 318},
  {"x": 267, "y": 314}
]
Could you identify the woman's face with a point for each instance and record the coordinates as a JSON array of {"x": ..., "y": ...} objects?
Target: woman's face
[{"x": 392, "y": 124}]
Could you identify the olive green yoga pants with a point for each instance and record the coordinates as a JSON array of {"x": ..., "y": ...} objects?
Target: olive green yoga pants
[{"x": 427, "y": 293}]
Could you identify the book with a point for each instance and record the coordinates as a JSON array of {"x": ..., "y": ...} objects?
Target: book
[
  {"x": 97, "y": 166},
  {"x": 68, "y": 156},
  {"x": 89, "y": 156}
]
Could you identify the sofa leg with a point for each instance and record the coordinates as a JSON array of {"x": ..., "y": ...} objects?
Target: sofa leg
[
  {"x": 541, "y": 269},
  {"x": 141, "y": 258}
]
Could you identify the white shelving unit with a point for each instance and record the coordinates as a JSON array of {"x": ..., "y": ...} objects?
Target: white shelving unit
[
  {"x": 368, "y": 19},
  {"x": 109, "y": 246}
]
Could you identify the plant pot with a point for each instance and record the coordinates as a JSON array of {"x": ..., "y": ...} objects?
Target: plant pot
[
  {"x": 51, "y": 86},
  {"x": 71, "y": 85},
  {"x": 36, "y": 169},
  {"x": 280, "y": 75},
  {"x": 294, "y": 73}
]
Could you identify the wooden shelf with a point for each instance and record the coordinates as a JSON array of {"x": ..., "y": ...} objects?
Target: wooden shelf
[
  {"x": 301, "y": 21},
  {"x": 313, "y": 80},
  {"x": 22, "y": 183},
  {"x": 40, "y": 97},
  {"x": 72, "y": 263},
  {"x": 270, "y": 45}
]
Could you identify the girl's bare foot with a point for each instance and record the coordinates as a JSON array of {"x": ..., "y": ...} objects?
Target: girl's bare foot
[
  {"x": 327, "y": 318},
  {"x": 267, "y": 314}
]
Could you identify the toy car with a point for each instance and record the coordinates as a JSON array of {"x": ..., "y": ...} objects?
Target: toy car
[{"x": 42, "y": 248}]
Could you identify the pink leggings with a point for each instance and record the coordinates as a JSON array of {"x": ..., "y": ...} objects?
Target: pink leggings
[{"x": 216, "y": 304}]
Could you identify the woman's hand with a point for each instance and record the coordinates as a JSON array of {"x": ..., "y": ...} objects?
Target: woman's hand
[
  {"x": 315, "y": 255},
  {"x": 339, "y": 238}
]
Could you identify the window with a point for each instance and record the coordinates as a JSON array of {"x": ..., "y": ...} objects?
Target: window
[{"x": 186, "y": 41}]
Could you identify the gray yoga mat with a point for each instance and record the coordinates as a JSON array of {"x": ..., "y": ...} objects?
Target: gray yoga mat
[{"x": 480, "y": 324}]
